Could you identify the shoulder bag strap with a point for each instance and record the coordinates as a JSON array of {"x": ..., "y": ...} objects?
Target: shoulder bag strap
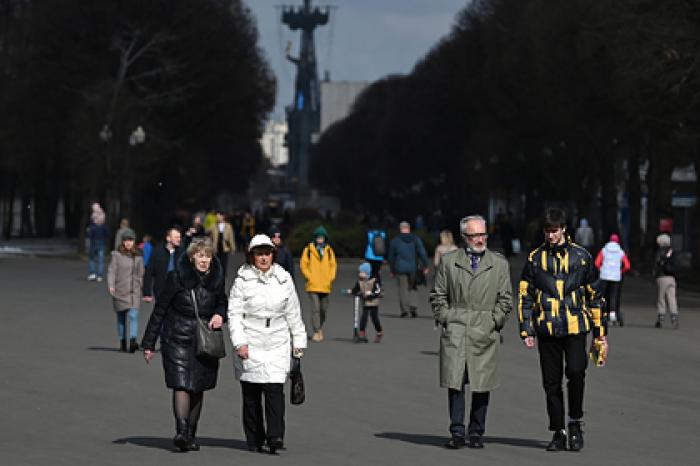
[{"x": 196, "y": 310}]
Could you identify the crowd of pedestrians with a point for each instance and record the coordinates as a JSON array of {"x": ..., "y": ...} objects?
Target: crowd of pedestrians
[{"x": 563, "y": 295}]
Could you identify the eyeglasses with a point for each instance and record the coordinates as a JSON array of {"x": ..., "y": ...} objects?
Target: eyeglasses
[{"x": 477, "y": 235}]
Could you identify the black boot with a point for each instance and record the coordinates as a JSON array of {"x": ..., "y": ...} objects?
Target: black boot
[
  {"x": 659, "y": 321},
  {"x": 122, "y": 346},
  {"x": 273, "y": 443},
  {"x": 181, "y": 439},
  {"x": 192, "y": 444},
  {"x": 133, "y": 346},
  {"x": 558, "y": 442},
  {"x": 575, "y": 436}
]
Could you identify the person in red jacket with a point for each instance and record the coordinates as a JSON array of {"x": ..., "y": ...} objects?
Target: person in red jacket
[{"x": 612, "y": 263}]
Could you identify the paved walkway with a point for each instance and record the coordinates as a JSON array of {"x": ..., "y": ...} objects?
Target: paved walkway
[{"x": 69, "y": 398}]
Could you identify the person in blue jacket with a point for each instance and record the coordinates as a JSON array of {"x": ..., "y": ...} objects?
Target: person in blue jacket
[
  {"x": 375, "y": 250},
  {"x": 407, "y": 259}
]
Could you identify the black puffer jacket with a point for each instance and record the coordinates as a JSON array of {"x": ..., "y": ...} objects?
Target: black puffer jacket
[{"x": 173, "y": 320}]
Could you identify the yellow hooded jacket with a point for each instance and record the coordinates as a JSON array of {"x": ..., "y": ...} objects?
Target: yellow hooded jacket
[{"x": 319, "y": 272}]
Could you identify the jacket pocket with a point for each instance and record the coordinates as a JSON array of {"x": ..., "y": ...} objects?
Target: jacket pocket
[{"x": 482, "y": 330}]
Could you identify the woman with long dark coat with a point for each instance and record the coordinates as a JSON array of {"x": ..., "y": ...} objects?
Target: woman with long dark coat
[{"x": 173, "y": 320}]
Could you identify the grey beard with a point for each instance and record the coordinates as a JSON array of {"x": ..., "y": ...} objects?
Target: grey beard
[{"x": 471, "y": 250}]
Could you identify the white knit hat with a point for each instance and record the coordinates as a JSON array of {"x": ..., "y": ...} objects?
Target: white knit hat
[{"x": 260, "y": 240}]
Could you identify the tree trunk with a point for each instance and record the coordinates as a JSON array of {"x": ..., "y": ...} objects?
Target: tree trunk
[
  {"x": 46, "y": 203},
  {"x": 695, "y": 219},
  {"x": 11, "y": 193},
  {"x": 608, "y": 201},
  {"x": 635, "y": 203}
]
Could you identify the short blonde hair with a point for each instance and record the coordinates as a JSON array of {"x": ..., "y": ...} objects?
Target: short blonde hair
[{"x": 200, "y": 245}]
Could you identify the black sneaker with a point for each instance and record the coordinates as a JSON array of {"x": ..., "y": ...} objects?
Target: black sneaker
[
  {"x": 475, "y": 441},
  {"x": 455, "y": 443},
  {"x": 274, "y": 444},
  {"x": 558, "y": 442},
  {"x": 575, "y": 436}
]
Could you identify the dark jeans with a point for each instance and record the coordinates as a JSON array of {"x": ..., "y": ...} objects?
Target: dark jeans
[
  {"x": 255, "y": 432},
  {"x": 553, "y": 353},
  {"x": 374, "y": 313},
  {"x": 477, "y": 413}
]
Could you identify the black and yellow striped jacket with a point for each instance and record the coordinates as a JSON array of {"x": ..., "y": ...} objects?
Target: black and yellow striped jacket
[{"x": 560, "y": 293}]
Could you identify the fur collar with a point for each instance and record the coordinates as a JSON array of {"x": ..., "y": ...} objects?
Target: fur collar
[{"x": 190, "y": 278}]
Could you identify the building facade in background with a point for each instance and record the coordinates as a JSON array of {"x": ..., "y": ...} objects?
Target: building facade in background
[
  {"x": 272, "y": 143},
  {"x": 337, "y": 98}
]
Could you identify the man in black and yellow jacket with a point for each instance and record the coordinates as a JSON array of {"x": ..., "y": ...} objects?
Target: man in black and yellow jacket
[{"x": 559, "y": 304}]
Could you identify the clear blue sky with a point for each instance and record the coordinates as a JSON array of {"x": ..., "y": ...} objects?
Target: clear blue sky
[{"x": 364, "y": 41}]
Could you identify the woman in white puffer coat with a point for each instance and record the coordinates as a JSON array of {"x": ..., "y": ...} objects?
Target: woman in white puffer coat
[{"x": 265, "y": 323}]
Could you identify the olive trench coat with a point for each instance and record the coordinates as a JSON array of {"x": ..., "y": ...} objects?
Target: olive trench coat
[{"x": 471, "y": 308}]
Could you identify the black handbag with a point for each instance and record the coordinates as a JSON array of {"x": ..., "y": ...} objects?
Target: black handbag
[
  {"x": 297, "y": 392},
  {"x": 210, "y": 343}
]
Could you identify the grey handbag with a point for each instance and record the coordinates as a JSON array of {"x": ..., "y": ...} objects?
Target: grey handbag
[{"x": 210, "y": 343}]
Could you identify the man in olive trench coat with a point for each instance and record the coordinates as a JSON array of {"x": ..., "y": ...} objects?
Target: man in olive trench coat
[{"x": 471, "y": 301}]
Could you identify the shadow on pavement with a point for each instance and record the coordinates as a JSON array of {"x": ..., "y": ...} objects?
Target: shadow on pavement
[
  {"x": 166, "y": 443},
  {"x": 398, "y": 316},
  {"x": 439, "y": 441},
  {"x": 112, "y": 349},
  {"x": 430, "y": 353},
  {"x": 344, "y": 340},
  {"x": 102, "y": 348}
]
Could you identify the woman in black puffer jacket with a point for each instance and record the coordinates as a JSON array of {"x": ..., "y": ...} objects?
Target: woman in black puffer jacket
[{"x": 173, "y": 320}]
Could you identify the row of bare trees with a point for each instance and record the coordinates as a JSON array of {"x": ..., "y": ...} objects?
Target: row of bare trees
[
  {"x": 531, "y": 99},
  {"x": 77, "y": 77}
]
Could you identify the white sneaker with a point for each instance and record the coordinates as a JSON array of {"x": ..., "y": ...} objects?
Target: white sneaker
[
  {"x": 99, "y": 279},
  {"x": 92, "y": 277}
]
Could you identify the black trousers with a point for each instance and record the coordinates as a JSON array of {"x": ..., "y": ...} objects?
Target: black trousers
[
  {"x": 253, "y": 426},
  {"x": 612, "y": 293},
  {"x": 374, "y": 313},
  {"x": 477, "y": 411},
  {"x": 553, "y": 353}
]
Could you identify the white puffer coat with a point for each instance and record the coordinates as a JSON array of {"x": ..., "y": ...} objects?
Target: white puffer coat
[{"x": 264, "y": 313}]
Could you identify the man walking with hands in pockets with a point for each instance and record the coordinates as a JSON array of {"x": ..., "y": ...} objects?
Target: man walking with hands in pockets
[{"x": 471, "y": 301}]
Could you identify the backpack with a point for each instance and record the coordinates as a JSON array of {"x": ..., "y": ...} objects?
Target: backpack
[
  {"x": 665, "y": 265},
  {"x": 378, "y": 244}
]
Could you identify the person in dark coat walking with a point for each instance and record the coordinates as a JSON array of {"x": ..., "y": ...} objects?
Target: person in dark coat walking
[
  {"x": 163, "y": 260},
  {"x": 283, "y": 256},
  {"x": 197, "y": 274},
  {"x": 406, "y": 251}
]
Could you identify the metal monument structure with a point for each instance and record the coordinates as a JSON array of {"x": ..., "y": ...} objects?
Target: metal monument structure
[{"x": 304, "y": 115}]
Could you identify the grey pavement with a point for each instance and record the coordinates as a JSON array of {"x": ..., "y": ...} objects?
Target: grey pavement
[{"x": 68, "y": 397}]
